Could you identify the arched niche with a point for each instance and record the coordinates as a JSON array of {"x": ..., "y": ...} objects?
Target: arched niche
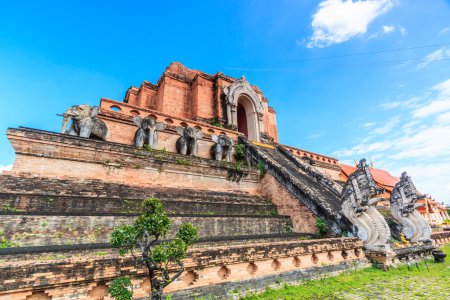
[{"x": 243, "y": 105}]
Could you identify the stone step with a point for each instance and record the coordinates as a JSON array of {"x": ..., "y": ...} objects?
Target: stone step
[
  {"x": 252, "y": 239},
  {"x": 51, "y": 187},
  {"x": 48, "y": 204},
  {"x": 22, "y": 253},
  {"x": 42, "y": 230}
]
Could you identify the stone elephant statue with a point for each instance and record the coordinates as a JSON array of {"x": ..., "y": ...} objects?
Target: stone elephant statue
[
  {"x": 84, "y": 122},
  {"x": 187, "y": 144},
  {"x": 222, "y": 148},
  {"x": 147, "y": 134}
]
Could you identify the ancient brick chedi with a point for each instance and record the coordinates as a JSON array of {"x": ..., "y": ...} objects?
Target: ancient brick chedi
[{"x": 207, "y": 147}]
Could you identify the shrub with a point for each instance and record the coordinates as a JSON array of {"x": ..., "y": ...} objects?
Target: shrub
[
  {"x": 240, "y": 152},
  {"x": 321, "y": 226},
  {"x": 262, "y": 168}
]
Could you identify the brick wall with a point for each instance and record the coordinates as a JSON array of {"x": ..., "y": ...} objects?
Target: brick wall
[
  {"x": 60, "y": 156},
  {"x": 84, "y": 275},
  {"x": 42, "y": 230},
  {"x": 122, "y": 129},
  {"x": 303, "y": 220}
]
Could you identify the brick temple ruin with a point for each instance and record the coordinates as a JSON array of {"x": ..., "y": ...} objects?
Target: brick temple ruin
[{"x": 67, "y": 191}]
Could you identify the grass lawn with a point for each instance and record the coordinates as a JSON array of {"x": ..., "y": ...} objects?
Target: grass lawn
[{"x": 373, "y": 283}]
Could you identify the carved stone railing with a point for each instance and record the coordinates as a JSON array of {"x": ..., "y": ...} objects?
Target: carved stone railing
[
  {"x": 306, "y": 185},
  {"x": 403, "y": 202},
  {"x": 358, "y": 205}
]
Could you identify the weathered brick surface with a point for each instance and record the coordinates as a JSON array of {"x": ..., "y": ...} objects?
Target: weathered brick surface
[
  {"x": 35, "y": 185},
  {"x": 185, "y": 93},
  {"x": 55, "y": 276},
  {"x": 303, "y": 220},
  {"x": 35, "y": 230},
  {"x": 122, "y": 129},
  {"x": 94, "y": 205},
  {"x": 46, "y": 195},
  {"x": 62, "y": 156}
]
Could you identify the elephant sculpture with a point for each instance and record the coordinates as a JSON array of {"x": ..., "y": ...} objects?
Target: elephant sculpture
[
  {"x": 187, "y": 144},
  {"x": 147, "y": 134},
  {"x": 85, "y": 122},
  {"x": 223, "y": 147}
]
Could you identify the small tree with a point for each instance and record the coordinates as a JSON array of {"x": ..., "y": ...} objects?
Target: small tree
[{"x": 160, "y": 258}]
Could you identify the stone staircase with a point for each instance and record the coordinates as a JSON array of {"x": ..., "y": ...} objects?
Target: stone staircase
[
  {"x": 60, "y": 225},
  {"x": 47, "y": 212},
  {"x": 308, "y": 185}
]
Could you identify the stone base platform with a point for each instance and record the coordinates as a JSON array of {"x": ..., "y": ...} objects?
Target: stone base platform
[
  {"x": 218, "y": 271},
  {"x": 398, "y": 256},
  {"x": 441, "y": 237}
]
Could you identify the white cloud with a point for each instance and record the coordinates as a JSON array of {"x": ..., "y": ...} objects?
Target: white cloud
[
  {"x": 443, "y": 88},
  {"x": 5, "y": 168},
  {"x": 431, "y": 178},
  {"x": 421, "y": 146},
  {"x": 337, "y": 21},
  {"x": 388, "y": 126},
  {"x": 434, "y": 56},
  {"x": 403, "y": 104},
  {"x": 444, "y": 31},
  {"x": 369, "y": 124},
  {"x": 434, "y": 107},
  {"x": 388, "y": 29},
  {"x": 444, "y": 118},
  {"x": 316, "y": 135},
  {"x": 439, "y": 105}
]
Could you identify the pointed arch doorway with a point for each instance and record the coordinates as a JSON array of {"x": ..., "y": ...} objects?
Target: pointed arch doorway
[
  {"x": 242, "y": 120},
  {"x": 247, "y": 118},
  {"x": 244, "y": 109}
]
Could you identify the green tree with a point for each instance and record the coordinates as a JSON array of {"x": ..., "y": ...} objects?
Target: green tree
[{"x": 161, "y": 259}]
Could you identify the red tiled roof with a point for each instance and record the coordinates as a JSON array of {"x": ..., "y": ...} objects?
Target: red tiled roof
[
  {"x": 432, "y": 205},
  {"x": 387, "y": 181},
  {"x": 381, "y": 177}
]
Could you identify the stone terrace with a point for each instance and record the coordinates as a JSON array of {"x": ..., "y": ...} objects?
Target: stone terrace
[{"x": 251, "y": 233}]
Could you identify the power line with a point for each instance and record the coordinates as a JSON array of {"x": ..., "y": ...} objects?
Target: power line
[
  {"x": 341, "y": 56},
  {"x": 368, "y": 64}
]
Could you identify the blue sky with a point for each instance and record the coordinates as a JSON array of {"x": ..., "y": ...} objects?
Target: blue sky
[{"x": 347, "y": 79}]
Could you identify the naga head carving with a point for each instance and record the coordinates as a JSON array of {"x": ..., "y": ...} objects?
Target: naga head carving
[
  {"x": 404, "y": 195},
  {"x": 361, "y": 186}
]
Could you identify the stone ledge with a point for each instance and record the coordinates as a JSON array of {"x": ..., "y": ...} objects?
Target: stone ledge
[
  {"x": 40, "y": 230},
  {"x": 56, "y": 155},
  {"x": 132, "y": 215},
  {"x": 103, "y": 199},
  {"x": 18, "y": 252},
  {"x": 229, "y": 290},
  {"x": 442, "y": 237},
  {"x": 36, "y": 275},
  {"x": 100, "y": 189},
  {"x": 35, "y": 135}
]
